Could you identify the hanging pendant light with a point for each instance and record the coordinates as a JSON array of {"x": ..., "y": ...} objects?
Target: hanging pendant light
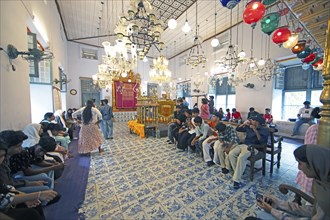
[
  {"x": 253, "y": 12},
  {"x": 303, "y": 54},
  {"x": 215, "y": 41},
  {"x": 281, "y": 35},
  {"x": 172, "y": 23},
  {"x": 186, "y": 28},
  {"x": 230, "y": 4},
  {"x": 268, "y": 2},
  {"x": 299, "y": 47},
  {"x": 291, "y": 42},
  {"x": 309, "y": 58},
  {"x": 319, "y": 62},
  {"x": 270, "y": 22}
]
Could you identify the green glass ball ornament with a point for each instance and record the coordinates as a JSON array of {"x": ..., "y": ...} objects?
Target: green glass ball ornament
[
  {"x": 268, "y": 2},
  {"x": 270, "y": 22}
]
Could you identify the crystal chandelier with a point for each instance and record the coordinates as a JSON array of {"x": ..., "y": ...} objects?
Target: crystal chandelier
[
  {"x": 160, "y": 72},
  {"x": 116, "y": 59},
  {"x": 140, "y": 28},
  {"x": 102, "y": 79},
  {"x": 267, "y": 72},
  {"x": 196, "y": 54},
  {"x": 231, "y": 60}
]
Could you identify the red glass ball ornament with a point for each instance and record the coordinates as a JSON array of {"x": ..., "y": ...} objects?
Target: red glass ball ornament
[
  {"x": 309, "y": 58},
  {"x": 281, "y": 35},
  {"x": 318, "y": 63},
  {"x": 253, "y": 12}
]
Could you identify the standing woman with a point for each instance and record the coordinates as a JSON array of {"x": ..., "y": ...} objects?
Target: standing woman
[
  {"x": 205, "y": 110},
  {"x": 90, "y": 137}
]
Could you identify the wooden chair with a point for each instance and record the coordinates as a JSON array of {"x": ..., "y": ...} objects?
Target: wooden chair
[
  {"x": 261, "y": 155},
  {"x": 284, "y": 188},
  {"x": 274, "y": 147}
]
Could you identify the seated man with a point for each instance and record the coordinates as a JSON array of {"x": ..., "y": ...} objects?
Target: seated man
[
  {"x": 202, "y": 131},
  {"x": 173, "y": 125},
  {"x": 207, "y": 143},
  {"x": 238, "y": 155},
  {"x": 268, "y": 117},
  {"x": 227, "y": 139},
  {"x": 304, "y": 116},
  {"x": 236, "y": 116},
  {"x": 252, "y": 113}
]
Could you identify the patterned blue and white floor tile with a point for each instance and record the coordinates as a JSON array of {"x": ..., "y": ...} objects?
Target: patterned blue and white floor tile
[{"x": 148, "y": 179}]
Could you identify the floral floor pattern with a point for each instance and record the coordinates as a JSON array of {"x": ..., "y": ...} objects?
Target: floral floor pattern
[{"x": 149, "y": 179}]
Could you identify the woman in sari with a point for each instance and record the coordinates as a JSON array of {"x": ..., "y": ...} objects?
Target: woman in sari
[{"x": 90, "y": 137}]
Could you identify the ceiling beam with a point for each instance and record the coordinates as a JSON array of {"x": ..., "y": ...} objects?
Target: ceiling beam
[
  {"x": 303, "y": 6},
  {"x": 59, "y": 12},
  {"x": 314, "y": 15},
  {"x": 313, "y": 25}
]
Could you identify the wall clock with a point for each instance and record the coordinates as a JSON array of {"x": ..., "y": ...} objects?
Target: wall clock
[{"x": 73, "y": 92}]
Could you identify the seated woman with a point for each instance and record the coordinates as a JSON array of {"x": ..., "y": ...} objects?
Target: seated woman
[
  {"x": 21, "y": 163},
  {"x": 17, "y": 205},
  {"x": 314, "y": 161},
  {"x": 55, "y": 131},
  {"x": 33, "y": 132}
]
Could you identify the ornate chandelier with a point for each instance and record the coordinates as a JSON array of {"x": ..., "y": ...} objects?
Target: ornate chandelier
[
  {"x": 102, "y": 79},
  {"x": 140, "y": 28},
  {"x": 196, "y": 54},
  {"x": 116, "y": 59},
  {"x": 160, "y": 72}
]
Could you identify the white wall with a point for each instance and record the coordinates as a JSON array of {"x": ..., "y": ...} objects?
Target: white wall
[
  {"x": 260, "y": 97},
  {"x": 80, "y": 67},
  {"x": 15, "y": 108}
]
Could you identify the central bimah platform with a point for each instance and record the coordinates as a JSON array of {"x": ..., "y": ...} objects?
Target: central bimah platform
[{"x": 153, "y": 116}]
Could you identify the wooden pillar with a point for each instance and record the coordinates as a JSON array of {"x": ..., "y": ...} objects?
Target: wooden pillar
[{"x": 324, "y": 126}]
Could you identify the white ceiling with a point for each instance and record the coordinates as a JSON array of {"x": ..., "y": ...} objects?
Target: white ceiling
[
  {"x": 82, "y": 18},
  {"x": 90, "y": 22}
]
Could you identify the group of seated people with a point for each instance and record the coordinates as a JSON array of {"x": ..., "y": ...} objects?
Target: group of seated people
[
  {"x": 30, "y": 161},
  {"x": 190, "y": 131}
]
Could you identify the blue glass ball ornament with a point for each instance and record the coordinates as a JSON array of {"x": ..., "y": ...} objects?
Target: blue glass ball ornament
[
  {"x": 303, "y": 54},
  {"x": 230, "y": 4}
]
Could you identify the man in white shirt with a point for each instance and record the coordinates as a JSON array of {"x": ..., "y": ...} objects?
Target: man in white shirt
[
  {"x": 202, "y": 131},
  {"x": 304, "y": 116}
]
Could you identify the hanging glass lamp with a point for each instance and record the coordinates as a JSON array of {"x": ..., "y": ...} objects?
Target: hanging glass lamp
[
  {"x": 309, "y": 58},
  {"x": 281, "y": 35},
  {"x": 268, "y": 2},
  {"x": 299, "y": 47},
  {"x": 230, "y": 4},
  {"x": 291, "y": 42},
  {"x": 253, "y": 12},
  {"x": 303, "y": 54},
  {"x": 270, "y": 22}
]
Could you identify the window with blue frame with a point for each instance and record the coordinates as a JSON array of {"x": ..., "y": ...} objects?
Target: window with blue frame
[{"x": 300, "y": 85}]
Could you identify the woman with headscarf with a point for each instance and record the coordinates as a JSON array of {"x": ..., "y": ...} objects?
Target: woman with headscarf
[
  {"x": 33, "y": 132},
  {"x": 314, "y": 161},
  {"x": 90, "y": 137}
]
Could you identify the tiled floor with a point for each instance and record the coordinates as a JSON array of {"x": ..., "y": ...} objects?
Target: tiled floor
[{"x": 148, "y": 179}]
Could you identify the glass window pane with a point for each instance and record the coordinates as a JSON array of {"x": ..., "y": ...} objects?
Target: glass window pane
[
  {"x": 315, "y": 98},
  {"x": 220, "y": 102},
  {"x": 293, "y": 101},
  {"x": 231, "y": 101}
]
